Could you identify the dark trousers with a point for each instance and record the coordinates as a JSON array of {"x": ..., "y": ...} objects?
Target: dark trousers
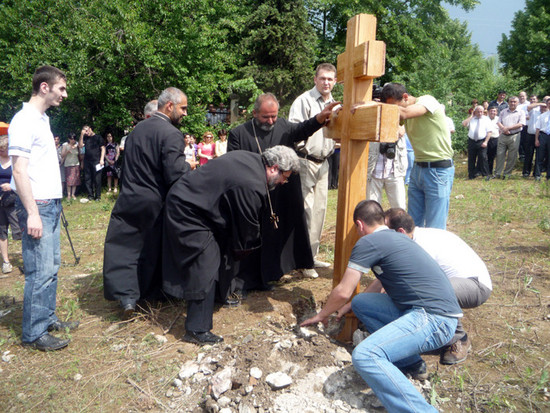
[
  {"x": 92, "y": 180},
  {"x": 522, "y": 139},
  {"x": 543, "y": 155},
  {"x": 528, "y": 152},
  {"x": 492, "y": 153},
  {"x": 200, "y": 312},
  {"x": 477, "y": 159},
  {"x": 334, "y": 168}
]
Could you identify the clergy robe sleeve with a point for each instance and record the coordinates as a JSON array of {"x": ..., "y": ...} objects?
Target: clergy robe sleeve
[
  {"x": 303, "y": 130},
  {"x": 243, "y": 208},
  {"x": 173, "y": 158},
  {"x": 233, "y": 142}
]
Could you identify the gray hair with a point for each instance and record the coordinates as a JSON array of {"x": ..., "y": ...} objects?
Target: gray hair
[
  {"x": 479, "y": 107},
  {"x": 264, "y": 97},
  {"x": 150, "y": 108},
  {"x": 282, "y": 156},
  {"x": 170, "y": 94}
]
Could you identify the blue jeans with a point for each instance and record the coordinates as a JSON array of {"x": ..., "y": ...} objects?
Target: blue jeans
[
  {"x": 396, "y": 341},
  {"x": 429, "y": 193},
  {"x": 41, "y": 258},
  {"x": 410, "y": 163}
]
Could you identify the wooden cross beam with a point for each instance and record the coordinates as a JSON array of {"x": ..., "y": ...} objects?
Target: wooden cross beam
[{"x": 363, "y": 60}]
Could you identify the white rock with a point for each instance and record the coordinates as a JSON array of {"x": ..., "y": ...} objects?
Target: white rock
[
  {"x": 224, "y": 401},
  {"x": 118, "y": 347},
  {"x": 245, "y": 407},
  {"x": 341, "y": 354},
  {"x": 248, "y": 389},
  {"x": 226, "y": 410},
  {"x": 306, "y": 332},
  {"x": 221, "y": 382},
  {"x": 256, "y": 372},
  {"x": 177, "y": 383},
  {"x": 188, "y": 369},
  {"x": 278, "y": 380},
  {"x": 77, "y": 377},
  {"x": 200, "y": 356},
  {"x": 358, "y": 336},
  {"x": 161, "y": 339},
  {"x": 7, "y": 357}
]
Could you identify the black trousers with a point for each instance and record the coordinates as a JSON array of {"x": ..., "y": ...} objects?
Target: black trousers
[
  {"x": 543, "y": 155},
  {"x": 522, "y": 139},
  {"x": 92, "y": 180},
  {"x": 334, "y": 169},
  {"x": 492, "y": 153},
  {"x": 201, "y": 312},
  {"x": 528, "y": 152},
  {"x": 477, "y": 159}
]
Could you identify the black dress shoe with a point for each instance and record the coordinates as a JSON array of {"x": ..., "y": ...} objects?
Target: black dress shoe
[
  {"x": 128, "y": 311},
  {"x": 48, "y": 343},
  {"x": 63, "y": 325},
  {"x": 201, "y": 338}
]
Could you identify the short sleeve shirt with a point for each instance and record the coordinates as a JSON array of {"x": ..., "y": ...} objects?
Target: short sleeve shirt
[
  {"x": 429, "y": 133},
  {"x": 485, "y": 126},
  {"x": 30, "y": 137},
  {"x": 408, "y": 274}
]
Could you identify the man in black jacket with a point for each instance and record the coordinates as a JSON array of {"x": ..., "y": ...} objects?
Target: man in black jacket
[{"x": 154, "y": 160}]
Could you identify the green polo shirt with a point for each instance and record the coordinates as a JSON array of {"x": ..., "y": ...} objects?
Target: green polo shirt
[{"x": 429, "y": 134}]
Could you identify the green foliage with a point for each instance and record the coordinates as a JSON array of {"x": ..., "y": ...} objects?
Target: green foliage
[{"x": 525, "y": 51}]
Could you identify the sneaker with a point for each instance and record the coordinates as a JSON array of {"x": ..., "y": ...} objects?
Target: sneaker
[
  {"x": 6, "y": 268},
  {"x": 309, "y": 273},
  {"x": 417, "y": 371},
  {"x": 320, "y": 264},
  {"x": 115, "y": 190},
  {"x": 84, "y": 200},
  {"x": 457, "y": 352}
]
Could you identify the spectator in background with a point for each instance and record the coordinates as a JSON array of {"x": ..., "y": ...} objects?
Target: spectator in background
[
  {"x": 500, "y": 101},
  {"x": 110, "y": 160},
  {"x": 542, "y": 142},
  {"x": 58, "y": 148},
  {"x": 479, "y": 133},
  {"x": 485, "y": 105},
  {"x": 510, "y": 123},
  {"x": 474, "y": 104},
  {"x": 206, "y": 149},
  {"x": 189, "y": 151},
  {"x": 533, "y": 112},
  {"x": 94, "y": 152},
  {"x": 72, "y": 165},
  {"x": 493, "y": 142},
  {"x": 221, "y": 144},
  {"x": 8, "y": 217}
]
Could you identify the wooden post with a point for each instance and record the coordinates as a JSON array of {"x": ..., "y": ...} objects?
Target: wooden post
[{"x": 363, "y": 60}]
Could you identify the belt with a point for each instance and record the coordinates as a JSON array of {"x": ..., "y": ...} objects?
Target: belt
[
  {"x": 310, "y": 158},
  {"x": 445, "y": 163}
]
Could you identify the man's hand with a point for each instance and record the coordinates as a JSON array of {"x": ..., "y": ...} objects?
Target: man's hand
[
  {"x": 34, "y": 226},
  {"x": 346, "y": 308},
  {"x": 5, "y": 187},
  {"x": 314, "y": 320},
  {"x": 324, "y": 116}
]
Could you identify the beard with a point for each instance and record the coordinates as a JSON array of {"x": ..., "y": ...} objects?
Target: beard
[
  {"x": 266, "y": 127},
  {"x": 272, "y": 182},
  {"x": 174, "y": 118}
]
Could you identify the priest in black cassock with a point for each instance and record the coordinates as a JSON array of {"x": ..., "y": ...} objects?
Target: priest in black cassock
[
  {"x": 154, "y": 160},
  {"x": 288, "y": 247},
  {"x": 211, "y": 211}
]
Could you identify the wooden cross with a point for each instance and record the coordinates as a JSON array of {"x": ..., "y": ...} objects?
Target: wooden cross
[{"x": 363, "y": 60}]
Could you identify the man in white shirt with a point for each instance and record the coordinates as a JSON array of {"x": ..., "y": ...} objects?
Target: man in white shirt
[
  {"x": 533, "y": 112},
  {"x": 510, "y": 122},
  {"x": 542, "y": 142},
  {"x": 479, "y": 133},
  {"x": 493, "y": 142},
  {"x": 314, "y": 154},
  {"x": 464, "y": 268},
  {"x": 37, "y": 181}
]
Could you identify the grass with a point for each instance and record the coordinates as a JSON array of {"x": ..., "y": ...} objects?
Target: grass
[{"x": 124, "y": 368}]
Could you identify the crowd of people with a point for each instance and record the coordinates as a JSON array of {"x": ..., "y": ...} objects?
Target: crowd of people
[{"x": 211, "y": 221}]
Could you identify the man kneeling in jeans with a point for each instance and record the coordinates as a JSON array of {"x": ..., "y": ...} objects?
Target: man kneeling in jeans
[
  {"x": 466, "y": 271},
  {"x": 418, "y": 313}
]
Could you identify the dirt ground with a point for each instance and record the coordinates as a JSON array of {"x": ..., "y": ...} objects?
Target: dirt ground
[{"x": 115, "y": 365}]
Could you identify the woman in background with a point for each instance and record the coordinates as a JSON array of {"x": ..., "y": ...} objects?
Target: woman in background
[{"x": 70, "y": 154}]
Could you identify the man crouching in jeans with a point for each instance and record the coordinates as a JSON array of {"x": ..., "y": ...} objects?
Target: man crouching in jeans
[{"x": 418, "y": 312}]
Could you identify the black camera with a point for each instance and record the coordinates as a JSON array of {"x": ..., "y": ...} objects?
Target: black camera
[{"x": 388, "y": 149}]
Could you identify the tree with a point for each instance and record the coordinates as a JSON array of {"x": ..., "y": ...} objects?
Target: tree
[
  {"x": 525, "y": 51},
  {"x": 277, "y": 47},
  {"x": 117, "y": 55}
]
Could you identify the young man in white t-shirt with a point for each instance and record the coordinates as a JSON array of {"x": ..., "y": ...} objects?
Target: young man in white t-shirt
[{"x": 37, "y": 181}]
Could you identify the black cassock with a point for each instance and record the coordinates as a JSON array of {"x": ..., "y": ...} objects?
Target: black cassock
[
  {"x": 209, "y": 211},
  {"x": 154, "y": 160},
  {"x": 288, "y": 247}
]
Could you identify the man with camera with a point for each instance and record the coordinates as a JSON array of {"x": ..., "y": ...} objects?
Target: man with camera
[
  {"x": 386, "y": 170},
  {"x": 433, "y": 171}
]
